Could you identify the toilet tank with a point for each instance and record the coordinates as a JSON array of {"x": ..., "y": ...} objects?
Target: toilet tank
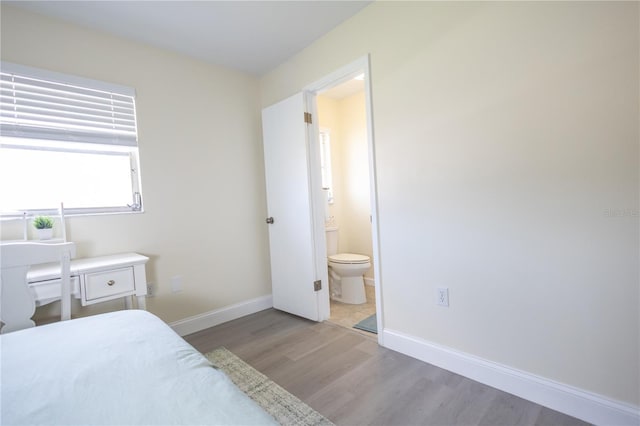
[{"x": 332, "y": 240}]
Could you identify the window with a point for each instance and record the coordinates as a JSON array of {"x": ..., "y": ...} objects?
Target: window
[
  {"x": 65, "y": 139},
  {"x": 325, "y": 163}
]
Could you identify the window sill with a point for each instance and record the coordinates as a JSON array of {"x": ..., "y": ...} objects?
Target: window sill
[{"x": 67, "y": 214}]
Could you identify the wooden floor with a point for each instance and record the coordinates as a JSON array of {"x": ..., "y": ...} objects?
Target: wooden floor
[{"x": 351, "y": 380}]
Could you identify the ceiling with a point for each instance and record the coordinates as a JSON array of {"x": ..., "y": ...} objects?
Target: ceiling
[{"x": 250, "y": 36}]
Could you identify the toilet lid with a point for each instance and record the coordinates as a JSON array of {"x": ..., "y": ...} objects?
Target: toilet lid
[{"x": 348, "y": 258}]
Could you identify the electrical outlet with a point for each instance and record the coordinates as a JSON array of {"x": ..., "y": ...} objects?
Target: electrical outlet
[
  {"x": 176, "y": 284},
  {"x": 442, "y": 296},
  {"x": 150, "y": 290}
]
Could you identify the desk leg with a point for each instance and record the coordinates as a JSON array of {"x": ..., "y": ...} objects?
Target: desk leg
[
  {"x": 141, "y": 285},
  {"x": 127, "y": 302},
  {"x": 142, "y": 302}
]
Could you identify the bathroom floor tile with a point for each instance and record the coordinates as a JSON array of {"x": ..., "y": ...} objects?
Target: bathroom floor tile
[{"x": 347, "y": 315}]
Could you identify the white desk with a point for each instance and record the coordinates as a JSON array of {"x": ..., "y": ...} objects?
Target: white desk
[{"x": 94, "y": 280}]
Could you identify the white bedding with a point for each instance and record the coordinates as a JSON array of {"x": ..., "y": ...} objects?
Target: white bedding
[{"x": 120, "y": 368}]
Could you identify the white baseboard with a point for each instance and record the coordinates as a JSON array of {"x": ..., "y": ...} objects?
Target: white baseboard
[
  {"x": 567, "y": 399},
  {"x": 369, "y": 281},
  {"x": 219, "y": 316}
]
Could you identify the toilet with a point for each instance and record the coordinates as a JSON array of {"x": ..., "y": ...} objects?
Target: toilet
[{"x": 346, "y": 272}]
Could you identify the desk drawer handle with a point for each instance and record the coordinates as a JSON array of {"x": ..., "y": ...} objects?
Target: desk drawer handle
[{"x": 110, "y": 282}]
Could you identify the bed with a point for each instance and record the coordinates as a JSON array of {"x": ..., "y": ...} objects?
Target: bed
[{"x": 121, "y": 368}]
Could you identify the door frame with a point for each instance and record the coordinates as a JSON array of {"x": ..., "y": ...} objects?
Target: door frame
[{"x": 347, "y": 72}]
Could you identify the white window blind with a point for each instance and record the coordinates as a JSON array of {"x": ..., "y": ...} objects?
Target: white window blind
[
  {"x": 66, "y": 139},
  {"x": 38, "y": 104}
]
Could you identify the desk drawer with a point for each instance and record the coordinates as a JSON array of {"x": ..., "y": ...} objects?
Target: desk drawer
[
  {"x": 48, "y": 291},
  {"x": 108, "y": 284}
]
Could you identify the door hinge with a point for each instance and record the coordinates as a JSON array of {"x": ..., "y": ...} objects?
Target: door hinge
[
  {"x": 307, "y": 117},
  {"x": 317, "y": 285}
]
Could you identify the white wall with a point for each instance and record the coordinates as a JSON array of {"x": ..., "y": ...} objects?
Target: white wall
[
  {"x": 346, "y": 118},
  {"x": 504, "y": 134},
  {"x": 201, "y": 161}
]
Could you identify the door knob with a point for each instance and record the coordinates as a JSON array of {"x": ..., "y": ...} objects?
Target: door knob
[{"x": 270, "y": 220}]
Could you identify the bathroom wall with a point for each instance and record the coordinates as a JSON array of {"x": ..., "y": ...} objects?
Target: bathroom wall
[
  {"x": 329, "y": 118},
  {"x": 346, "y": 118},
  {"x": 354, "y": 151},
  {"x": 507, "y": 161}
]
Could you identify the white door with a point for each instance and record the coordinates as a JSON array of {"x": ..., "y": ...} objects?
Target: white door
[{"x": 291, "y": 243}]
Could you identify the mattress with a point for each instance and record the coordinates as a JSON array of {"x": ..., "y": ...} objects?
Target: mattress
[{"x": 121, "y": 368}]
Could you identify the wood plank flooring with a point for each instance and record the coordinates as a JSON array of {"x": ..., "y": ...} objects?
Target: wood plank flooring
[{"x": 351, "y": 380}]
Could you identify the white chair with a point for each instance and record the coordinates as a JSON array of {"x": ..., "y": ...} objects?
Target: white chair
[{"x": 17, "y": 304}]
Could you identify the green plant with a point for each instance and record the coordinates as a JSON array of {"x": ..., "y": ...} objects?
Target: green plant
[{"x": 43, "y": 222}]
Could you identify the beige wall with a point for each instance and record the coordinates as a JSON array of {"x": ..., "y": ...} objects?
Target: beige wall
[
  {"x": 201, "y": 161},
  {"x": 504, "y": 134},
  {"x": 329, "y": 118},
  {"x": 346, "y": 118}
]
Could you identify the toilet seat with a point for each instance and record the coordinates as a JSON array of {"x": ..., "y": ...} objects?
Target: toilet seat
[{"x": 348, "y": 258}]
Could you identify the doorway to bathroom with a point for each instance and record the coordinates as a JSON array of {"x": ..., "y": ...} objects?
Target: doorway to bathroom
[
  {"x": 345, "y": 143},
  {"x": 297, "y": 214}
]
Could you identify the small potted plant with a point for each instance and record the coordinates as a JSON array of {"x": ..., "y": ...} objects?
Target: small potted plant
[{"x": 44, "y": 227}]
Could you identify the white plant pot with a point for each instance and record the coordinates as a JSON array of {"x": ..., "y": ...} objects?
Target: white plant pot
[{"x": 45, "y": 234}]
